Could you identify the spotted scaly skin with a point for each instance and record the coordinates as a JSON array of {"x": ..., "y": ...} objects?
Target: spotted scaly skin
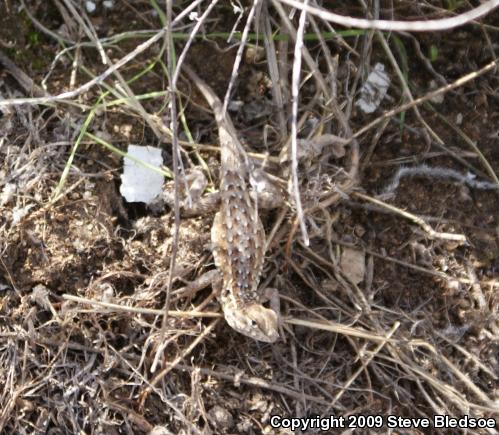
[{"x": 238, "y": 236}]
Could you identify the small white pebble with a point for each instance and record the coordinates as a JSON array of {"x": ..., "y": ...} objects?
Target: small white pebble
[
  {"x": 374, "y": 89},
  {"x": 90, "y": 6},
  {"x": 7, "y": 193},
  {"x": 19, "y": 212},
  {"x": 438, "y": 99},
  {"x": 108, "y": 294}
]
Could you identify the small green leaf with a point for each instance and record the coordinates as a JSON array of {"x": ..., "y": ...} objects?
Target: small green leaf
[
  {"x": 433, "y": 53},
  {"x": 34, "y": 38}
]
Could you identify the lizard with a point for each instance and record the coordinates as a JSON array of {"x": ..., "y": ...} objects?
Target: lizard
[{"x": 237, "y": 234}]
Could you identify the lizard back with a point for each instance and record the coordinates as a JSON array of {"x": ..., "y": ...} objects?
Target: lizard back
[{"x": 239, "y": 240}]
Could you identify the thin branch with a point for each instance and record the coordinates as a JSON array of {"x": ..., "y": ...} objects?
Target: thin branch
[
  {"x": 123, "y": 308},
  {"x": 417, "y": 220},
  {"x": 239, "y": 54},
  {"x": 408, "y": 26},
  {"x": 295, "y": 85}
]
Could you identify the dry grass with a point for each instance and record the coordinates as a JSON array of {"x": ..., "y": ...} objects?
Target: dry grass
[{"x": 85, "y": 345}]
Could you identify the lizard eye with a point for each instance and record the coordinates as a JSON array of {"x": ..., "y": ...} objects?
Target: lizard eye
[{"x": 254, "y": 323}]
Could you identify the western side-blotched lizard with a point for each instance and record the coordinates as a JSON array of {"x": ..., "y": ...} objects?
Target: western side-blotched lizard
[{"x": 237, "y": 235}]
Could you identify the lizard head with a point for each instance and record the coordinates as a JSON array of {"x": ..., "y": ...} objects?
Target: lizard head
[{"x": 254, "y": 321}]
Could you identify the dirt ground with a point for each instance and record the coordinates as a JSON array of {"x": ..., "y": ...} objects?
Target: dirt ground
[{"x": 392, "y": 308}]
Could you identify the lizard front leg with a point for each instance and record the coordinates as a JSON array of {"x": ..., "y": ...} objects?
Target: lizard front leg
[{"x": 271, "y": 295}]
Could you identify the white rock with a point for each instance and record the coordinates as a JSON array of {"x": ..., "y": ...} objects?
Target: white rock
[
  {"x": 90, "y": 6},
  {"x": 438, "y": 99},
  {"x": 19, "y": 212},
  {"x": 8, "y": 192},
  {"x": 353, "y": 264},
  {"x": 374, "y": 89},
  {"x": 139, "y": 183}
]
